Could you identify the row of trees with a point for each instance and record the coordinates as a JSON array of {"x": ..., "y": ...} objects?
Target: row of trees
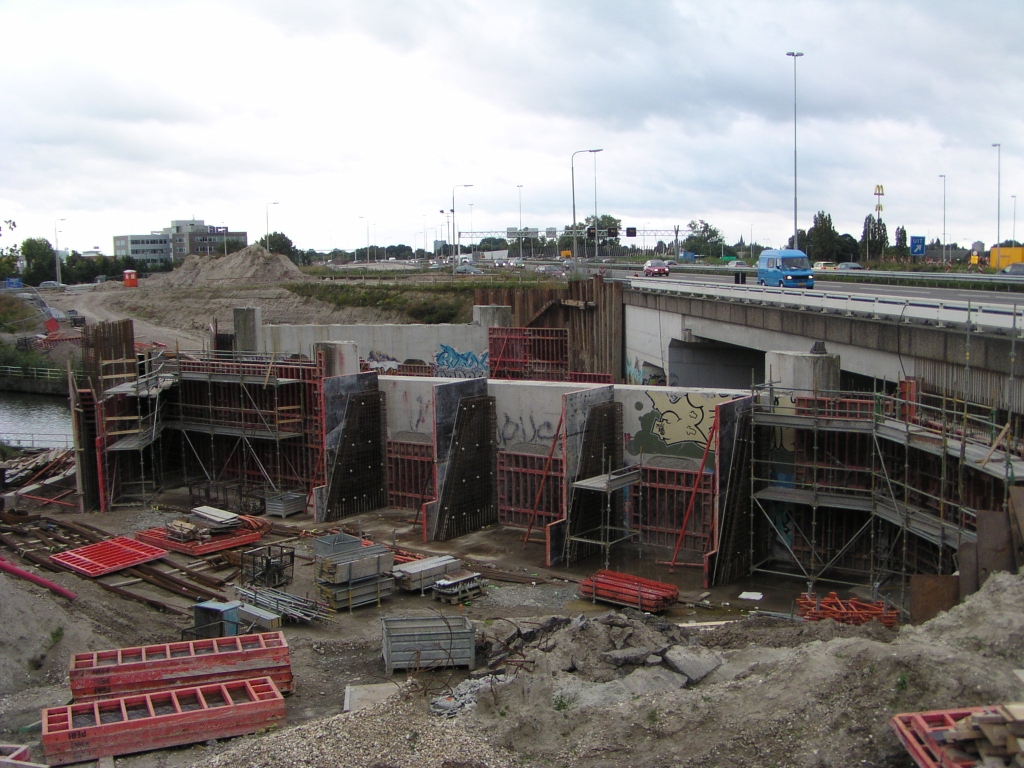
[{"x": 41, "y": 264}]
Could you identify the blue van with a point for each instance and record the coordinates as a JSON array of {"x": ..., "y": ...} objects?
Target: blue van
[{"x": 785, "y": 269}]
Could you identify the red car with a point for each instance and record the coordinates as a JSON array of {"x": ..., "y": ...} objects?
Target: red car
[{"x": 655, "y": 268}]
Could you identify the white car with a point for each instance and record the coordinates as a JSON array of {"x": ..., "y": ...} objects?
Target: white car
[{"x": 825, "y": 265}]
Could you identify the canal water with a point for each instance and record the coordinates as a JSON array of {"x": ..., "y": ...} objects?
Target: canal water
[{"x": 40, "y": 421}]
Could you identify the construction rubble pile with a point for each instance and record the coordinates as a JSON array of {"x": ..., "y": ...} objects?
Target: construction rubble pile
[{"x": 628, "y": 688}]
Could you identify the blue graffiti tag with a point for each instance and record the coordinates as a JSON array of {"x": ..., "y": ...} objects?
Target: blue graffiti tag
[{"x": 452, "y": 363}]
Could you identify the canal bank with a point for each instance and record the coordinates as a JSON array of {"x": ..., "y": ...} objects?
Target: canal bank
[{"x": 33, "y": 420}]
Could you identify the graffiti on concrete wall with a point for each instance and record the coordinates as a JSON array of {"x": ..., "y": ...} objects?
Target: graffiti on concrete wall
[
  {"x": 452, "y": 364},
  {"x": 669, "y": 422},
  {"x": 643, "y": 373},
  {"x": 524, "y": 429},
  {"x": 381, "y": 361}
]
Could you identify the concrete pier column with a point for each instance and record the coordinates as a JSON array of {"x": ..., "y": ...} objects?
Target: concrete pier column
[
  {"x": 248, "y": 329},
  {"x": 341, "y": 358},
  {"x": 815, "y": 370},
  {"x": 492, "y": 315}
]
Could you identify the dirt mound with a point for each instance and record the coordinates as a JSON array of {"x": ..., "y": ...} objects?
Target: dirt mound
[
  {"x": 248, "y": 266},
  {"x": 768, "y": 632}
]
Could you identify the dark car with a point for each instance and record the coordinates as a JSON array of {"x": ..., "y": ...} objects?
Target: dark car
[
  {"x": 848, "y": 265},
  {"x": 1014, "y": 269},
  {"x": 655, "y": 268},
  {"x": 549, "y": 270},
  {"x": 467, "y": 269}
]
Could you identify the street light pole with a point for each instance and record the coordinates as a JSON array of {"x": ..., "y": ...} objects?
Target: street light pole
[
  {"x": 572, "y": 166},
  {"x": 458, "y": 248},
  {"x": 999, "y": 199},
  {"x": 520, "y": 187},
  {"x": 1014, "y": 235},
  {"x": 367, "y": 239},
  {"x": 796, "y": 55},
  {"x": 268, "y": 225},
  {"x": 597, "y": 239},
  {"x": 943, "y": 177},
  {"x": 56, "y": 250}
]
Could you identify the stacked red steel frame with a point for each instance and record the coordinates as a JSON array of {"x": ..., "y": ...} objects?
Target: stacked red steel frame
[
  {"x": 625, "y": 589},
  {"x": 852, "y": 611},
  {"x": 151, "y": 697},
  {"x": 120, "y": 671},
  {"x": 962, "y": 738},
  {"x": 145, "y": 721}
]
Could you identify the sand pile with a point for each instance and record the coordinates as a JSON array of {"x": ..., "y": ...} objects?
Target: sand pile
[{"x": 249, "y": 266}]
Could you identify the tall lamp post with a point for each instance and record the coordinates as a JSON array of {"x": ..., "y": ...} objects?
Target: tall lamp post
[
  {"x": 520, "y": 188},
  {"x": 943, "y": 177},
  {"x": 572, "y": 166},
  {"x": 367, "y": 238},
  {"x": 796, "y": 55},
  {"x": 455, "y": 231},
  {"x": 597, "y": 238},
  {"x": 999, "y": 199},
  {"x": 268, "y": 225},
  {"x": 1014, "y": 235},
  {"x": 56, "y": 250}
]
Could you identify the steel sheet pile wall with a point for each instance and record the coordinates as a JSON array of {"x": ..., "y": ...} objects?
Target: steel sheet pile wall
[{"x": 591, "y": 311}]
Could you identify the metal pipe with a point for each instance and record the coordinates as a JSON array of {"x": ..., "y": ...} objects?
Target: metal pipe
[{"x": 14, "y": 570}]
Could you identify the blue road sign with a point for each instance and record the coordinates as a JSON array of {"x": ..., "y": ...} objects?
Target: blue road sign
[{"x": 916, "y": 246}]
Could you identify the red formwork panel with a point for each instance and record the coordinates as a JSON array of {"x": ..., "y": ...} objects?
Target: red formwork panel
[
  {"x": 520, "y": 476},
  {"x": 109, "y": 556},
  {"x": 158, "y": 538},
  {"x": 145, "y": 721},
  {"x": 123, "y": 671},
  {"x": 925, "y": 737},
  {"x": 15, "y": 752},
  {"x": 626, "y": 589},
  {"x": 410, "y": 471}
]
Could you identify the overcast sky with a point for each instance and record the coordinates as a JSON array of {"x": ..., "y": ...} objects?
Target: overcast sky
[{"x": 119, "y": 116}]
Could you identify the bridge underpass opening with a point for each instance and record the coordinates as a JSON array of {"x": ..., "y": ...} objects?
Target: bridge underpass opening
[{"x": 706, "y": 363}]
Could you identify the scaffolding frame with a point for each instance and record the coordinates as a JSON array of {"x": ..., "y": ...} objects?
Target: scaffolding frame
[
  {"x": 251, "y": 423},
  {"x": 880, "y": 486}
]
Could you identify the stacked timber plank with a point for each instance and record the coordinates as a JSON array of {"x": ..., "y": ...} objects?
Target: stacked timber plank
[
  {"x": 978, "y": 736},
  {"x": 129, "y": 700},
  {"x": 420, "y": 575},
  {"x": 429, "y": 642},
  {"x": 624, "y": 589},
  {"x": 349, "y": 574},
  {"x": 120, "y": 671},
  {"x": 852, "y": 611}
]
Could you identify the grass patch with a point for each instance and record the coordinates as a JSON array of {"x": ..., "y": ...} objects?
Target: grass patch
[
  {"x": 15, "y": 314},
  {"x": 428, "y": 303},
  {"x": 10, "y": 355}
]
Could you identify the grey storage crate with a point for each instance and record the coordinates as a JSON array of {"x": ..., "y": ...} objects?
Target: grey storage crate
[
  {"x": 420, "y": 575},
  {"x": 336, "y": 543},
  {"x": 355, "y": 593},
  {"x": 352, "y": 566},
  {"x": 286, "y": 504},
  {"x": 429, "y": 642}
]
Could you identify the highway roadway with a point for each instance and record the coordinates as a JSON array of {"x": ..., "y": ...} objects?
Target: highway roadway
[{"x": 859, "y": 289}]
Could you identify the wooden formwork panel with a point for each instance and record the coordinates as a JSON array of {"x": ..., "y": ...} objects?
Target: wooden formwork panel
[
  {"x": 519, "y": 480},
  {"x": 146, "y": 721},
  {"x": 410, "y": 469},
  {"x": 121, "y": 671}
]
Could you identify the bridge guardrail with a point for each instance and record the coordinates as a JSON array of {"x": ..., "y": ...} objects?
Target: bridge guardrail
[
  {"x": 1002, "y": 318},
  {"x": 37, "y": 440},
  {"x": 36, "y": 374}
]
